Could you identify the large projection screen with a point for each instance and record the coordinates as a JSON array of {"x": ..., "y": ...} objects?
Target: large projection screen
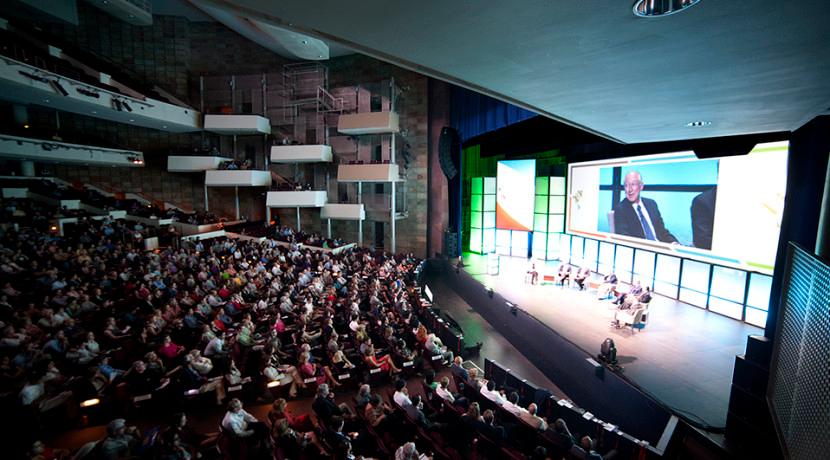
[
  {"x": 516, "y": 187},
  {"x": 725, "y": 211}
]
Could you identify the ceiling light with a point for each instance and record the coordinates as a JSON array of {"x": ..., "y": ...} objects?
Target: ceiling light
[
  {"x": 305, "y": 42},
  {"x": 163, "y": 126},
  {"x": 94, "y": 112},
  {"x": 132, "y": 120},
  {"x": 698, "y": 123},
  {"x": 659, "y": 8}
]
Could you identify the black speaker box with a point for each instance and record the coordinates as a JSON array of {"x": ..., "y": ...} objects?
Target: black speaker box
[
  {"x": 448, "y": 144},
  {"x": 759, "y": 350},
  {"x": 750, "y": 376}
]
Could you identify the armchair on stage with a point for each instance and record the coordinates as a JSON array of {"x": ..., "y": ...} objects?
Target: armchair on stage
[{"x": 636, "y": 317}]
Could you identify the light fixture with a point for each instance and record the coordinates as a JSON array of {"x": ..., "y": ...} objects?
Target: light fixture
[
  {"x": 94, "y": 112},
  {"x": 91, "y": 402},
  {"x": 660, "y": 8},
  {"x": 58, "y": 88},
  {"x": 126, "y": 106},
  {"x": 698, "y": 123},
  {"x": 132, "y": 120},
  {"x": 26, "y": 126},
  {"x": 305, "y": 42}
]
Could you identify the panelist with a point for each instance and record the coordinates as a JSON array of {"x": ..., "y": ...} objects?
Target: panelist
[
  {"x": 564, "y": 274},
  {"x": 581, "y": 276},
  {"x": 636, "y": 290},
  {"x": 608, "y": 286},
  {"x": 533, "y": 274},
  {"x": 637, "y": 216}
]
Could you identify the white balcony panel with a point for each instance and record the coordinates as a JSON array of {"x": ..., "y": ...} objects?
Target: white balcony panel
[
  {"x": 193, "y": 163},
  {"x": 237, "y": 124},
  {"x": 237, "y": 178},
  {"x": 25, "y": 84},
  {"x": 368, "y": 173},
  {"x": 368, "y": 123},
  {"x": 24, "y": 148},
  {"x": 337, "y": 211},
  {"x": 300, "y": 153},
  {"x": 302, "y": 199}
]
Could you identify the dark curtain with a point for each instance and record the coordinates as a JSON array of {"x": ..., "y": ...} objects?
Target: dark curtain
[{"x": 472, "y": 114}]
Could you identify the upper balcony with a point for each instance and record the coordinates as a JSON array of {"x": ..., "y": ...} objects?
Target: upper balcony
[
  {"x": 384, "y": 172},
  {"x": 297, "y": 199},
  {"x": 176, "y": 163},
  {"x": 301, "y": 154},
  {"x": 26, "y": 84},
  {"x": 237, "y": 178},
  {"x": 369, "y": 123},
  {"x": 237, "y": 124},
  {"x": 23, "y": 148}
]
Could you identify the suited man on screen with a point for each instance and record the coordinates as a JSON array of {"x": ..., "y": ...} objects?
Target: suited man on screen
[{"x": 637, "y": 216}]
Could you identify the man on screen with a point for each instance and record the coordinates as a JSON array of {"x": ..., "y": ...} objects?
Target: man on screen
[{"x": 637, "y": 216}]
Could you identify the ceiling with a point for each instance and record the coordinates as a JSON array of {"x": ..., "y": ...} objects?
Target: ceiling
[{"x": 743, "y": 67}]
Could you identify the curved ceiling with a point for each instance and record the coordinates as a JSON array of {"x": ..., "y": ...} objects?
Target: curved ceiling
[{"x": 745, "y": 67}]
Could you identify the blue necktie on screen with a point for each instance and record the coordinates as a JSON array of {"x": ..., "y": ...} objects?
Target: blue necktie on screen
[{"x": 644, "y": 222}]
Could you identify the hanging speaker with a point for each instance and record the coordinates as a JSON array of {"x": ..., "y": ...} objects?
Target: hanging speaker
[{"x": 448, "y": 145}]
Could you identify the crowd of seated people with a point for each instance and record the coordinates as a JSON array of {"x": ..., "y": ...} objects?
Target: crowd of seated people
[
  {"x": 26, "y": 212},
  {"x": 231, "y": 165},
  {"x": 87, "y": 316}
]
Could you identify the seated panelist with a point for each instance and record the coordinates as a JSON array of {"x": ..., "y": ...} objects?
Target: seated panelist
[
  {"x": 581, "y": 276},
  {"x": 564, "y": 274}
]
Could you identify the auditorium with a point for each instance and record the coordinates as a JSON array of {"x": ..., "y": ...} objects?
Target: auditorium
[{"x": 260, "y": 230}]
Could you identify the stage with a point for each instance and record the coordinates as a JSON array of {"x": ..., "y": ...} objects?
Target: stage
[{"x": 683, "y": 357}]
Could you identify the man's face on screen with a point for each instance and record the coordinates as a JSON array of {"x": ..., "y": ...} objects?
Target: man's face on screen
[{"x": 633, "y": 185}]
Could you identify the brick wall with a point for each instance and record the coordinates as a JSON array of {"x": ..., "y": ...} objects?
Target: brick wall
[{"x": 173, "y": 53}]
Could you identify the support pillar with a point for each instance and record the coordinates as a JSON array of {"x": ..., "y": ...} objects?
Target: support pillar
[
  {"x": 360, "y": 221},
  {"x": 298, "y": 218},
  {"x": 392, "y": 218},
  {"x": 328, "y": 225},
  {"x": 268, "y": 215},
  {"x": 207, "y": 208},
  {"x": 236, "y": 200}
]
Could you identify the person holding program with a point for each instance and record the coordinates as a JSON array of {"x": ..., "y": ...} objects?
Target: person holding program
[{"x": 637, "y": 216}]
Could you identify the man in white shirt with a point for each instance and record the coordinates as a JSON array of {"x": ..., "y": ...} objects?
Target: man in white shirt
[
  {"x": 512, "y": 405},
  {"x": 489, "y": 391},
  {"x": 241, "y": 423},
  {"x": 530, "y": 418},
  {"x": 401, "y": 395}
]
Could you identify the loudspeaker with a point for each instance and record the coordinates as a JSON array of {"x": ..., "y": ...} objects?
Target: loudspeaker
[
  {"x": 451, "y": 244},
  {"x": 448, "y": 145},
  {"x": 708, "y": 148},
  {"x": 759, "y": 350}
]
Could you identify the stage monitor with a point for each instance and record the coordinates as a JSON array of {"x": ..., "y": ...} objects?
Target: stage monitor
[
  {"x": 725, "y": 211},
  {"x": 515, "y": 193}
]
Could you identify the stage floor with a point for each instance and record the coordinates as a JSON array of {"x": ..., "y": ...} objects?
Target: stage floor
[{"x": 683, "y": 357}]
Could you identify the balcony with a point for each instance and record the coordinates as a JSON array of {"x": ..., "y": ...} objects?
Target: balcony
[
  {"x": 25, "y": 84},
  {"x": 23, "y": 148},
  {"x": 368, "y": 123},
  {"x": 237, "y": 178},
  {"x": 300, "y": 154},
  {"x": 299, "y": 199},
  {"x": 337, "y": 211},
  {"x": 385, "y": 172},
  {"x": 237, "y": 124},
  {"x": 193, "y": 163}
]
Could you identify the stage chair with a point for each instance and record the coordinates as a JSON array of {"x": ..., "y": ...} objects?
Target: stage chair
[{"x": 635, "y": 318}]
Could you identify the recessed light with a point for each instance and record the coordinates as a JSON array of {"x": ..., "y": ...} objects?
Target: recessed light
[
  {"x": 305, "y": 42},
  {"x": 94, "y": 112},
  {"x": 131, "y": 120},
  {"x": 46, "y": 100},
  {"x": 698, "y": 123},
  {"x": 163, "y": 126},
  {"x": 660, "y": 8}
]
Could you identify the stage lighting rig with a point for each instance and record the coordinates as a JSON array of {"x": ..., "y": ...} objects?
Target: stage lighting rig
[{"x": 608, "y": 354}]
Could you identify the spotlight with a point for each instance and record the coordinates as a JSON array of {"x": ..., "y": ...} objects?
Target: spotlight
[
  {"x": 608, "y": 352},
  {"x": 489, "y": 291},
  {"x": 26, "y": 126},
  {"x": 58, "y": 88},
  {"x": 117, "y": 104},
  {"x": 127, "y": 106}
]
